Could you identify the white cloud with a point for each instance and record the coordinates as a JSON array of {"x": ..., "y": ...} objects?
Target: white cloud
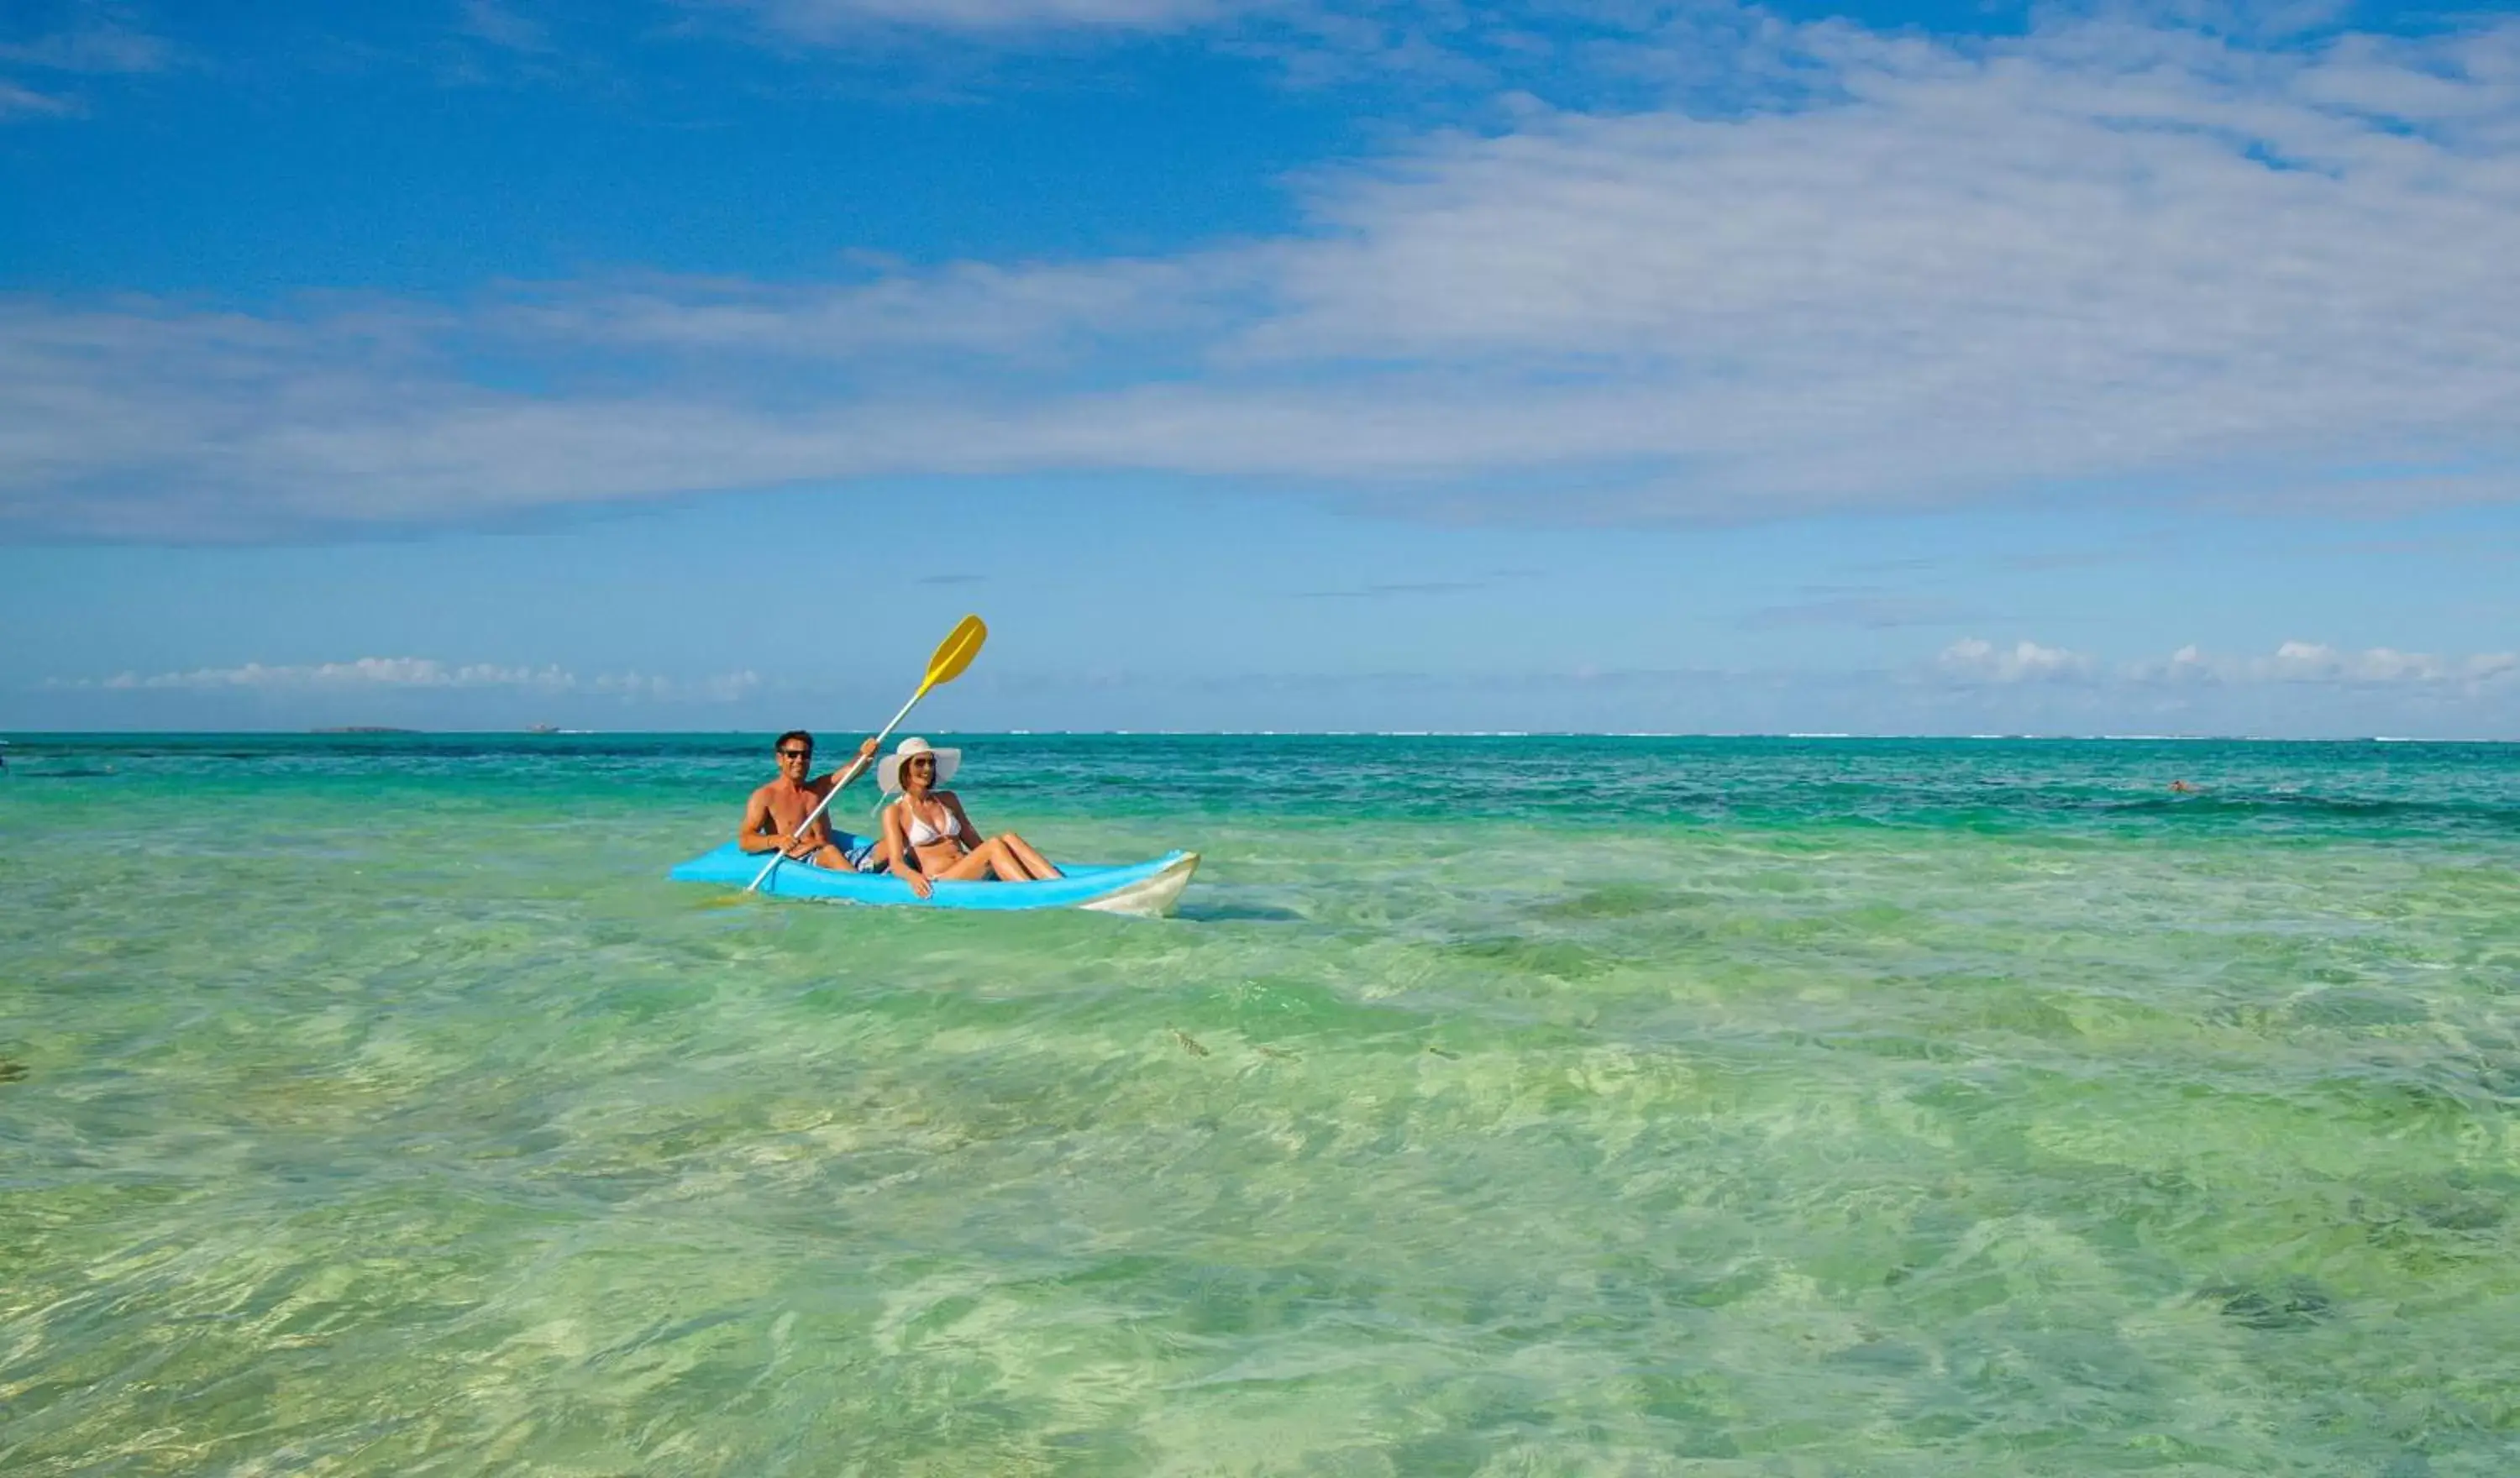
[
  {"x": 823, "y": 19},
  {"x": 2315, "y": 663},
  {"x": 1973, "y": 659},
  {"x": 491, "y": 22},
  {"x": 1029, "y": 315},
  {"x": 422, "y": 673},
  {"x": 102, "y": 41},
  {"x": 1469, "y": 50},
  {"x": 2299, "y": 689},
  {"x": 363, "y": 672},
  {"x": 2122, "y": 261},
  {"x": 27, "y": 101}
]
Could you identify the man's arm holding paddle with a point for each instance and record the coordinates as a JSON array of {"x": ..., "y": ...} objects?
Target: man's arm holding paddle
[{"x": 856, "y": 767}]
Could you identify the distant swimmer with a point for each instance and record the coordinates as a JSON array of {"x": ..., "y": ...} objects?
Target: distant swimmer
[
  {"x": 2183, "y": 787},
  {"x": 775, "y": 813}
]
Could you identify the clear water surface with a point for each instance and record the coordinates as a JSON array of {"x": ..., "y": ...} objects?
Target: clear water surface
[{"x": 369, "y": 1104}]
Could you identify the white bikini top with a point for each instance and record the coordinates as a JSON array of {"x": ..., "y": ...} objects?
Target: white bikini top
[{"x": 920, "y": 832}]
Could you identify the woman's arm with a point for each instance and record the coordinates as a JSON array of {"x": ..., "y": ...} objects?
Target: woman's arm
[{"x": 902, "y": 857}]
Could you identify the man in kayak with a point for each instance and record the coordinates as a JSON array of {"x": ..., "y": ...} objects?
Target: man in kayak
[{"x": 777, "y": 810}]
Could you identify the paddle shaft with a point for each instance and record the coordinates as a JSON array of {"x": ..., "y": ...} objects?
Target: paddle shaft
[{"x": 780, "y": 855}]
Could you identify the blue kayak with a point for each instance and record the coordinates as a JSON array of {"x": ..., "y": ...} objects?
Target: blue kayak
[{"x": 1142, "y": 887}]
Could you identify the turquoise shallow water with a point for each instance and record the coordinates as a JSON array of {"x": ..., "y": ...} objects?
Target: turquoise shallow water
[{"x": 370, "y": 1106}]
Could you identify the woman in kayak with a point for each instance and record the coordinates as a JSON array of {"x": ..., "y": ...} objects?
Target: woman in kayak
[{"x": 927, "y": 836}]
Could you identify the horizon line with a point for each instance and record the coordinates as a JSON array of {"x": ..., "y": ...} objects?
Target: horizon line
[{"x": 402, "y": 731}]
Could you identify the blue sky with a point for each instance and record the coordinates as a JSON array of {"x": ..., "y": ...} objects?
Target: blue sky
[{"x": 1261, "y": 364}]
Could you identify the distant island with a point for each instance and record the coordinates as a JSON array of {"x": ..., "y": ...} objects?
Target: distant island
[{"x": 363, "y": 728}]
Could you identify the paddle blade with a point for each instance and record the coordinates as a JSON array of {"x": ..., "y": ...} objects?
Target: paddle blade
[{"x": 956, "y": 652}]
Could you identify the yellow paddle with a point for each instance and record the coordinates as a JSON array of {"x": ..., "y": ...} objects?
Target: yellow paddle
[{"x": 952, "y": 656}]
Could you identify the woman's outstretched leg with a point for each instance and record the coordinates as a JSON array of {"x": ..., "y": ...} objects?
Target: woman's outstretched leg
[
  {"x": 1034, "y": 863},
  {"x": 990, "y": 859},
  {"x": 1005, "y": 857}
]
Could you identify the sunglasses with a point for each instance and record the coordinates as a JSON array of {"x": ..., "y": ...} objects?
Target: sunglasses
[
  {"x": 795, "y": 754},
  {"x": 922, "y": 764}
]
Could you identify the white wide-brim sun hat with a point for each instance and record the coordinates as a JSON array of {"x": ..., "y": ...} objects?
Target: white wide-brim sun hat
[{"x": 887, "y": 770}]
